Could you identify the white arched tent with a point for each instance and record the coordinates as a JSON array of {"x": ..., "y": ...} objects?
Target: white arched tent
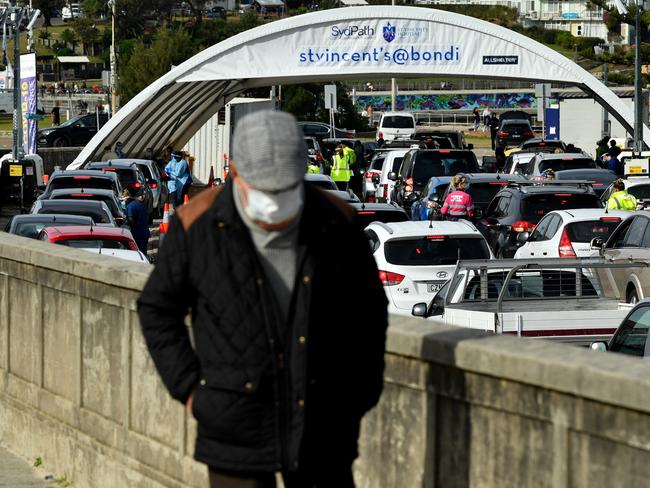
[{"x": 349, "y": 43}]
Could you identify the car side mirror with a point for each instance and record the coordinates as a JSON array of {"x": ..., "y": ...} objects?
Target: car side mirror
[
  {"x": 375, "y": 179},
  {"x": 522, "y": 238},
  {"x": 419, "y": 310},
  {"x": 596, "y": 346},
  {"x": 597, "y": 244},
  {"x": 392, "y": 176},
  {"x": 478, "y": 213}
]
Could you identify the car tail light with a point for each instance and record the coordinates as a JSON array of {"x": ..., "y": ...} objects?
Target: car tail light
[
  {"x": 137, "y": 185},
  {"x": 563, "y": 194},
  {"x": 502, "y": 134},
  {"x": 390, "y": 279},
  {"x": 371, "y": 173},
  {"x": 367, "y": 212},
  {"x": 153, "y": 186},
  {"x": 436, "y": 238},
  {"x": 81, "y": 177},
  {"x": 409, "y": 185},
  {"x": 82, "y": 195},
  {"x": 566, "y": 248},
  {"x": 610, "y": 219},
  {"x": 380, "y": 136},
  {"x": 109, "y": 169},
  {"x": 522, "y": 226},
  {"x": 444, "y": 151}
]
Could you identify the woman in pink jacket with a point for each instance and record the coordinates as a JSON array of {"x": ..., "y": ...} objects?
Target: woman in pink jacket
[{"x": 458, "y": 204}]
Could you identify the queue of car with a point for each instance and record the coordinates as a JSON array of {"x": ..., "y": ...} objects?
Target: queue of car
[{"x": 84, "y": 208}]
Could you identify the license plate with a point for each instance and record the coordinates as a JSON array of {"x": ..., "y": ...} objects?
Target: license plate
[
  {"x": 434, "y": 287},
  {"x": 515, "y": 136},
  {"x": 15, "y": 170}
]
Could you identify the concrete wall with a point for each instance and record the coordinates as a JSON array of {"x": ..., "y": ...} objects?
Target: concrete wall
[
  {"x": 56, "y": 156},
  {"x": 460, "y": 408}
]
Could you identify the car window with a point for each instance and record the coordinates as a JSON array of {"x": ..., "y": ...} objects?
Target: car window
[
  {"x": 553, "y": 226},
  {"x": 398, "y": 122},
  {"x": 373, "y": 240},
  {"x": 63, "y": 182},
  {"x": 619, "y": 238},
  {"x": 634, "y": 236},
  {"x": 587, "y": 230},
  {"x": 377, "y": 163},
  {"x": 534, "y": 207},
  {"x": 323, "y": 183},
  {"x": 483, "y": 193},
  {"x": 441, "y": 163},
  {"x": 632, "y": 334},
  {"x": 566, "y": 163},
  {"x": 94, "y": 243},
  {"x": 397, "y": 162},
  {"x": 640, "y": 191},
  {"x": 539, "y": 234},
  {"x": 501, "y": 206},
  {"x": 364, "y": 217},
  {"x": 434, "y": 250},
  {"x": 146, "y": 171}
]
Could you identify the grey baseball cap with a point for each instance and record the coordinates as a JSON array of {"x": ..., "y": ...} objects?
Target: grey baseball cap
[{"x": 269, "y": 150}]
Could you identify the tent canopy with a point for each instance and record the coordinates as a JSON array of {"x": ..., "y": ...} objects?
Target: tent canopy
[
  {"x": 351, "y": 43},
  {"x": 73, "y": 59},
  {"x": 350, "y": 3}
]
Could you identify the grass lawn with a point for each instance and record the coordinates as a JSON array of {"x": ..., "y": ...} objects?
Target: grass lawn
[{"x": 6, "y": 123}]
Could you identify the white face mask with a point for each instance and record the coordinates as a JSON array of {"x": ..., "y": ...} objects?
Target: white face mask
[{"x": 274, "y": 208}]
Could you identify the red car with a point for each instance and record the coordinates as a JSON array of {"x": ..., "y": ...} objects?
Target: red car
[{"x": 93, "y": 237}]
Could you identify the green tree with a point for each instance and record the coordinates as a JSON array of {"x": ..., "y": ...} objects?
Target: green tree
[
  {"x": 46, "y": 7},
  {"x": 148, "y": 63},
  {"x": 87, "y": 33},
  {"x": 68, "y": 36},
  {"x": 45, "y": 36}
]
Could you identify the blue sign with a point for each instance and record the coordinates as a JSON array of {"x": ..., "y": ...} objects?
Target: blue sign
[
  {"x": 569, "y": 15},
  {"x": 500, "y": 59},
  {"x": 552, "y": 123}
]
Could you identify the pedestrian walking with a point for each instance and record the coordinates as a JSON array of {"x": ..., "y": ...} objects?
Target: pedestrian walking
[
  {"x": 486, "y": 118},
  {"x": 56, "y": 115},
  {"x": 341, "y": 172},
  {"x": 494, "y": 128},
  {"x": 621, "y": 199},
  {"x": 477, "y": 118},
  {"x": 458, "y": 204},
  {"x": 178, "y": 172},
  {"x": 137, "y": 218},
  {"x": 277, "y": 379}
]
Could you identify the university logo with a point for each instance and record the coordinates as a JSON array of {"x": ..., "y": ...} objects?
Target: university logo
[{"x": 389, "y": 32}]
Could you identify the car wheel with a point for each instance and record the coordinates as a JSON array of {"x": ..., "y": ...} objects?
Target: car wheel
[
  {"x": 60, "y": 142},
  {"x": 632, "y": 296}
]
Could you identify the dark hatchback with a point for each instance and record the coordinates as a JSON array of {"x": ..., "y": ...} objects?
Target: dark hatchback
[
  {"x": 514, "y": 132},
  {"x": 483, "y": 187},
  {"x": 420, "y": 165},
  {"x": 75, "y": 132},
  {"x": 365, "y": 213},
  {"x": 30, "y": 225},
  {"x": 520, "y": 206},
  {"x": 93, "y": 179},
  {"x": 106, "y": 196}
]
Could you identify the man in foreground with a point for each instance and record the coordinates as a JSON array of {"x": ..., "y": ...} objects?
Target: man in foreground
[{"x": 289, "y": 318}]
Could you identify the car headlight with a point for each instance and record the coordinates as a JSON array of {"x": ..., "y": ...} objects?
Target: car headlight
[{"x": 45, "y": 132}]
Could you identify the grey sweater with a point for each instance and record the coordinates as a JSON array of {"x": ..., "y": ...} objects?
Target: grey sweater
[{"x": 277, "y": 252}]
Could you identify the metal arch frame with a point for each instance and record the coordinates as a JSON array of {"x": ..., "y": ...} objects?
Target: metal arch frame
[{"x": 150, "y": 114}]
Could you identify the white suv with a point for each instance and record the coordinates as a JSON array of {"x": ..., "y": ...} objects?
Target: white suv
[
  {"x": 415, "y": 259},
  {"x": 396, "y": 125},
  {"x": 384, "y": 186},
  {"x": 568, "y": 233}
]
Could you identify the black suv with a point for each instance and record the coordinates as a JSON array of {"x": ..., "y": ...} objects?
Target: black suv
[
  {"x": 130, "y": 176},
  {"x": 482, "y": 187},
  {"x": 513, "y": 132},
  {"x": 82, "y": 179},
  {"x": 419, "y": 165},
  {"x": 75, "y": 132},
  {"x": 518, "y": 207}
]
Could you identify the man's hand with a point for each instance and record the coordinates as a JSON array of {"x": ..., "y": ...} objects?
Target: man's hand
[{"x": 189, "y": 402}]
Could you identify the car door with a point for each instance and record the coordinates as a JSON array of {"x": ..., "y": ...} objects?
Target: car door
[
  {"x": 626, "y": 244},
  {"x": 84, "y": 130},
  {"x": 497, "y": 211},
  {"x": 537, "y": 240},
  {"x": 632, "y": 335}
]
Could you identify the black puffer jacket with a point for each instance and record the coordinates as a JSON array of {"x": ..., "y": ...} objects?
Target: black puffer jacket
[{"x": 269, "y": 394}]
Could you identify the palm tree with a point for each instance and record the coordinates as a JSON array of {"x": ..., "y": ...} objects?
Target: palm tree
[{"x": 69, "y": 37}]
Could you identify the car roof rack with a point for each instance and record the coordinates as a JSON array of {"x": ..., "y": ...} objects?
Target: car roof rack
[
  {"x": 384, "y": 226},
  {"x": 532, "y": 183}
]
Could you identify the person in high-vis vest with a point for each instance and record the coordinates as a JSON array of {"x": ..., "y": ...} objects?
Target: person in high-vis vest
[
  {"x": 341, "y": 171},
  {"x": 313, "y": 168},
  {"x": 621, "y": 199}
]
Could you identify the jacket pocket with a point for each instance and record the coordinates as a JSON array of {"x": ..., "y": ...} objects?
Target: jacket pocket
[{"x": 235, "y": 406}]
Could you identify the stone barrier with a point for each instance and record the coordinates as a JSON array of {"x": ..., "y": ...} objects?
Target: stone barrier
[{"x": 460, "y": 408}]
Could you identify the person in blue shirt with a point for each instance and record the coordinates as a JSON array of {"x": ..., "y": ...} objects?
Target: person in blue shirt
[
  {"x": 179, "y": 178},
  {"x": 613, "y": 164},
  {"x": 137, "y": 218}
]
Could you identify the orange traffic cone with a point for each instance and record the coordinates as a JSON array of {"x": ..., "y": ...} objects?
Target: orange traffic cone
[
  {"x": 211, "y": 178},
  {"x": 164, "y": 226},
  {"x": 186, "y": 199}
]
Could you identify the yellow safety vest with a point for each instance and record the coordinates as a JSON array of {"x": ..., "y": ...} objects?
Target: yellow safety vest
[
  {"x": 313, "y": 169},
  {"x": 351, "y": 154},
  {"x": 341, "y": 169},
  {"x": 621, "y": 200}
]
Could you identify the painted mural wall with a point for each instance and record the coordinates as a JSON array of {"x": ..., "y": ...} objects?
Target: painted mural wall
[{"x": 451, "y": 101}]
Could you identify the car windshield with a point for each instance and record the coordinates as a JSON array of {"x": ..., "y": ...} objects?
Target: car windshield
[
  {"x": 586, "y": 231},
  {"x": 398, "y": 122},
  {"x": 364, "y": 217},
  {"x": 517, "y": 128},
  {"x": 397, "y": 162},
  {"x": 534, "y": 207},
  {"x": 310, "y": 143},
  {"x": 566, "y": 163},
  {"x": 377, "y": 163},
  {"x": 435, "y": 250},
  {"x": 94, "y": 243},
  {"x": 96, "y": 214},
  {"x": 32, "y": 229},
  {"x": 640, "y": 191},
  {"x": 80, "y": 182},
  {"x": 146, "y": 171},
  {"x": 71, "y": 121},
  {"x": 429, "y": 164}
]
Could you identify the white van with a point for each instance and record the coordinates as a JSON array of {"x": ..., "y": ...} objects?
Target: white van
[{"x": 396, "y": 125}]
